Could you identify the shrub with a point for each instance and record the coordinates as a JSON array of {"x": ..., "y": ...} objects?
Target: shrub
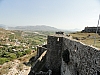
[
  {"x": 28, "y": 51},
  {"x": 19, "y": 54},
  {"x": 3, "y": 60},
  {"x": 12, "y": 56}
]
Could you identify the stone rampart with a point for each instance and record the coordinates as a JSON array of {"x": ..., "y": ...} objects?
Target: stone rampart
[
  {"x": 66, "y": 56},
  {"x": 84, "y": 59},
  {"x": 40, "y": 62},
  {"x": 72, "y": 56},
  {"x": 40, "y": 50},
  {"x": 54, "y": 53},
  {"x": 91, "y": 30}
]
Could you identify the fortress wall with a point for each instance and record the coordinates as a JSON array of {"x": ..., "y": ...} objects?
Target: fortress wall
[
  {"x": 54, "y": 53},
  {"x": 40, "y": 50},
  {"x": 40, "y": 62},
  {"x": 84, "y": 60},
  {"x": 66, "y": 56},
  {"x": 91, "y": 29}
]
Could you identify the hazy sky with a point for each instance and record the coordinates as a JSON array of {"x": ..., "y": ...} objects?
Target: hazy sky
[{"x": 63, "y": 14}]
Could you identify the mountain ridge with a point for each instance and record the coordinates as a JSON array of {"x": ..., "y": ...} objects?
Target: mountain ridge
[{"x": 34, "y": 28}]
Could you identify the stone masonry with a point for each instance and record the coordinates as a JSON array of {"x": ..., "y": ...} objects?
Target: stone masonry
[
  {"x": 66, "y": 56},
  {"x": 84, "y": 59},
  {"x": 91, "y": 30},
  {"x": 54, "y": 53}
]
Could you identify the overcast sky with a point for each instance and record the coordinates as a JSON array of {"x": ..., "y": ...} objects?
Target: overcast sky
[{"x": 62, "y": 14}]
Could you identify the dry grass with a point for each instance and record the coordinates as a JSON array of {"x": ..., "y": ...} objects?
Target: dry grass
[
  {"x": 6, "y": 68},
  {"x": 20, "y": 67},
  {"x": 27, "y": 57},
  {"x": 87, "y": 38}
]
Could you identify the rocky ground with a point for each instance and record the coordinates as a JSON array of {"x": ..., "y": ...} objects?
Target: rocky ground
[{"x": 16, "y": 67}]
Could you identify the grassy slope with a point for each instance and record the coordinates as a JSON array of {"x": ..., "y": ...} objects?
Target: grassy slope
[{"x": 87, "y": 38}]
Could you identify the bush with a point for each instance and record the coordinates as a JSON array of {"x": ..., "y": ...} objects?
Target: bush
[
  {"x": 76, "y": 38},
  {"x": 19, "y": 54},
  {"x": 3, "y": 60},
  {"x": 12, "y": 56},
  {"x": 28, "y": 51}
]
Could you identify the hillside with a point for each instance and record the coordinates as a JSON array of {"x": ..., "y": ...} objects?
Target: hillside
[
  {"x": 15, "y": 43},
  {"x": 87, "y": 38},
  {"x": 16, "y": 48}
]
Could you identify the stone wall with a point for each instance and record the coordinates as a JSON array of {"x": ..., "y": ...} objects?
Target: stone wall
[
  {"x": 40, "y": 60},
  {"x": 84, "y": 59},
  {"x": 91, "y": 30},
  {"x": 39, "y": 64},
  {"x": 54, "y": 53},
  {"x": 40, "y": 50},
  {"x": 66, "y": 56}
]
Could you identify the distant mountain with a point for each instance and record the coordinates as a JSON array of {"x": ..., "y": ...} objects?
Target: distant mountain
[
  {"x": 2, "y": 26},
  {"x": 34, "y": 28},
  {"x": 74, "y": 30}
]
